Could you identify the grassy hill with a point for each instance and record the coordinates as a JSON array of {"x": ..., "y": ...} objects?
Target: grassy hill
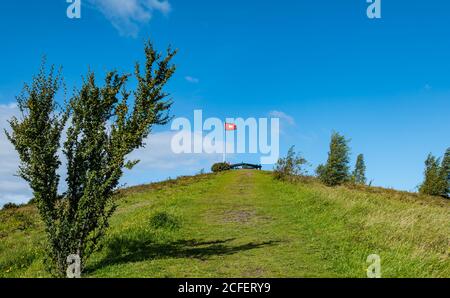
[{"x": 245, "y": 224}]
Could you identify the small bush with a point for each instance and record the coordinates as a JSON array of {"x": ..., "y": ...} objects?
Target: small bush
[
  {"x": 164, "y": 220},
  {"x": 220, "y": 167},
  {"x": 10, "y": 206},
  {"x": 289, "y": 166},
  {"x": 15, "y": 219}
]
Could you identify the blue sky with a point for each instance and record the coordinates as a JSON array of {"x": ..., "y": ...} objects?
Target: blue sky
[{"x": 385, "y": 84}]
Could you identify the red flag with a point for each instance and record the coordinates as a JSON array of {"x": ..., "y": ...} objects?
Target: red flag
[{"x": 230, "y": 126}]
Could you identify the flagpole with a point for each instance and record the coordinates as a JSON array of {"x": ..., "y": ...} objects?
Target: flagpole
[{"x": 224, "y": 142}]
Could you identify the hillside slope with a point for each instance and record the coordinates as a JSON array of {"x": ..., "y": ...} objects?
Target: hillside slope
[{"x": 245, "y": 224}]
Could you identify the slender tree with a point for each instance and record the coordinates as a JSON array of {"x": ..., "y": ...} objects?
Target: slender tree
[
  {"x": 433, "y": 183},
  {"x": 103, "y": 129},
  {"x": 445, "y": 173},
  {"x": 359, "y": 174},
  {"x": 336, "y": 170},
  {"x": 320, "y": 171}
]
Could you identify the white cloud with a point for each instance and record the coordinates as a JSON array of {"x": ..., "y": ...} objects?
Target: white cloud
[
  {"x": 158, "y": 162},
  {"x": 283, "y": 116},
  {"x": 162, "y": 6},
  {"x": 158, "y": 155},
  {"x": 128, "y": 15},
  {"x": 192, "y": 80},
  {"x": 12, "y": 188},
  {"x": 11, "y": 106}
]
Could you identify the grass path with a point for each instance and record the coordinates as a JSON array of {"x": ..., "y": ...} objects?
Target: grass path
[
  {"x": 230, "y": 228},
  {"x": 245, "y": 224}
]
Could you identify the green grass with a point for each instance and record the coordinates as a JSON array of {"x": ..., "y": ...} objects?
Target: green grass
[{"x": 246, "y": 224}]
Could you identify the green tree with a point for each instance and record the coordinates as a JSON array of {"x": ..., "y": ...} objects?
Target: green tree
[
  {"x": 336, "y": 170},
  {"x": 445, "y": 172},
  {"x": 103, "y": 129},
  {"x": 359, "y": 174},
  {"x": 433, "y": 183},
  {"x": 291, "y": 165}
]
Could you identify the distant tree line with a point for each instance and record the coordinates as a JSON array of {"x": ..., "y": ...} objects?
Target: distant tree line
[{"x": 336, "y": 171}]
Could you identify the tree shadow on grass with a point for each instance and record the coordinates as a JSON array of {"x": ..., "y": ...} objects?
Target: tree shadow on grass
[{"x": 126, "y": 250}]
